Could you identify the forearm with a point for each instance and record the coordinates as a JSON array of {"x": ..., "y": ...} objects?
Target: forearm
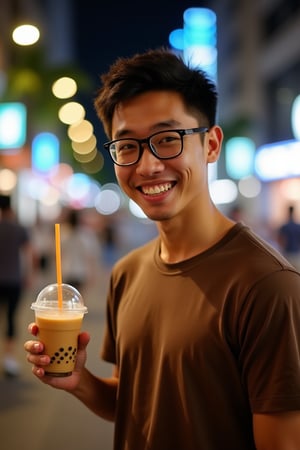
[
  {"x": 98, "y": 394},
  {"x": 279, "y": 431}
]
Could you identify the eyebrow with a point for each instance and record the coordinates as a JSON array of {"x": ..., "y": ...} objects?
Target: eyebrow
[{"x": 156, "y": 127}]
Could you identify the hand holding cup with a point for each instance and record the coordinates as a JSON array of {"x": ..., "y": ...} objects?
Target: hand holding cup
[{"x": 59, "y": 327}]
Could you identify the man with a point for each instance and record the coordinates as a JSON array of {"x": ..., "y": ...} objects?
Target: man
[{"x": 203, "y": 323}]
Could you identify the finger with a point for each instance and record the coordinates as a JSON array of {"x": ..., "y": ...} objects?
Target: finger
[
  {"x": 38, "y": 360},
  {"x": 83, "y": 340},
  {"x": 34, "y": 347},
  {"x": 33, "y": 329},
  {"x": 38, "y": 371}
]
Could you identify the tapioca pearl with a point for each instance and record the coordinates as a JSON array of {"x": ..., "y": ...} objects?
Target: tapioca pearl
[
  {"x": 61, "y": 349},
  {"x": 70, "y": 348}
]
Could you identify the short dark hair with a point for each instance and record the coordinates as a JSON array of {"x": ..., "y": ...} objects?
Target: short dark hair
[{"x": 153, "y": 70}]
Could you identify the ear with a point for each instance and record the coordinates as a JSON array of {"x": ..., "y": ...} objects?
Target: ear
[{"x": 214, "y": 143}]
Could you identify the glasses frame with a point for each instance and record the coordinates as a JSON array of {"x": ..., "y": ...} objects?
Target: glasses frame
[{"x": 147, "y": 140}]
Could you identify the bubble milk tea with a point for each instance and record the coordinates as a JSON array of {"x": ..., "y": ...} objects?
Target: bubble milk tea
[
  {"x": 59, "y": 333},
  {"x": 59, "y": 326}
]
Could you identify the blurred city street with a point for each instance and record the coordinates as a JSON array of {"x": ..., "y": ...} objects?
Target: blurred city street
[
  {"x": 53, "y": 161},
  {"x": 34, "y": 416}
]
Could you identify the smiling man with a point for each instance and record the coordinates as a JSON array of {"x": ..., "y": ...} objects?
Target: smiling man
[{"x": 203, "y": 322}]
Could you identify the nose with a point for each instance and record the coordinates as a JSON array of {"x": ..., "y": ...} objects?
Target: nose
[{"x": 148, "y": 163}]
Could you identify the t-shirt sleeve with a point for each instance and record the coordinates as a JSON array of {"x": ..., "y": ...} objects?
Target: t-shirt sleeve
[{"x": 269, "y": 334}]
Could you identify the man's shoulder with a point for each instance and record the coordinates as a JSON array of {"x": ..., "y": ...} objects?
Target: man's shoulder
[
  {"x": 256, "y": 253},
  {"x": 136, "y": 257}
]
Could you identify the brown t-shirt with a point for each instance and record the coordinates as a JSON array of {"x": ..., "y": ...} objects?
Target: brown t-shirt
[{"x": 203, "y": 344}]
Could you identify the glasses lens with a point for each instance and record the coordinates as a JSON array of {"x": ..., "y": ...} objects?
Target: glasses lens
[
  {"x": 166, "y": 144},
  {"x": 124, "y": 151}
]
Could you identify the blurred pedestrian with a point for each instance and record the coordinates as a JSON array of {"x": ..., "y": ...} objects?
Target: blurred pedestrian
[
  {"x": 80, "y": 252},
  {"x": 15, "y": 266},
  {"x": 289, "y": 238}
]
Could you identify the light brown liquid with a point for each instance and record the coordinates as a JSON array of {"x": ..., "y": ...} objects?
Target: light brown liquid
[{"x": 59, "y": 334}]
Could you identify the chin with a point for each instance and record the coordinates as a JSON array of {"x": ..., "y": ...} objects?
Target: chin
[{"x": 158, "y": 217}]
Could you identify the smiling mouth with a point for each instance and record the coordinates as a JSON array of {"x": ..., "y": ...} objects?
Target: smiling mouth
[{"x": 157, "y": 189}]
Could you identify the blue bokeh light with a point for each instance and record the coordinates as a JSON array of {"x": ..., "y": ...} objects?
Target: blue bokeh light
[{"x": 45, "y": 152}]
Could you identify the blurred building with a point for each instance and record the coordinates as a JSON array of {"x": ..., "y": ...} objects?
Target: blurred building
[
  {"x": 258, "y": 78},
  {"x": 259, "y": 65}
]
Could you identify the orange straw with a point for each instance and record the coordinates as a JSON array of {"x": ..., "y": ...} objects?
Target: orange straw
[{"x": 58, "y": 264}]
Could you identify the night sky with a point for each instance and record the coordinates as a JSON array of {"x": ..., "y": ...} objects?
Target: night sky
[
  {"x": 106, "y": 30},
  {"x": 121, "y": 28}
]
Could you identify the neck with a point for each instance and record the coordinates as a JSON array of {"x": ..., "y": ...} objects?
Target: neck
[{"x": 181, "y": 240}]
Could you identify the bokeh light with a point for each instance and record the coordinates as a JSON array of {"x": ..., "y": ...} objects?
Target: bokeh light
[
  {"x": 239, "y": 157},
  {"x": 109, "y": 200},
  {"x": 295, "y": 119},
  {"x": 81, "y": 131},
  {"x": 26, "y": 35},
  {"x": 136, "y": 211},
  {"x": 223, "y": 191},
  {"x": 82, "y": 148},
  {"x": 8, "y": 180},
  {"x": 13, "y": 117},
  {"x": 71, "y": 112},
  {"x": 64, "y": 87},
  {"x": 249, "y": 187}
]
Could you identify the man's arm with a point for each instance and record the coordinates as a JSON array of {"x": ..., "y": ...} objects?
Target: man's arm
[
  {"x": 277, "y": 431},
  {"x": 98, "y": 394}
]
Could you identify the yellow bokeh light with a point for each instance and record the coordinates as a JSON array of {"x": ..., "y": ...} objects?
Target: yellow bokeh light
[
  {"x": 87, "y": 157},
  {"x": 82, "y": 148},
  {"x": 95, "y": 165},
  {"x": 71, "y": 112},
  {"x": 64, "y": 87},
  {"x": 80, "y": 132},
  {"x": 26, "y": 34},
  {"x": 8, "y": 180}
]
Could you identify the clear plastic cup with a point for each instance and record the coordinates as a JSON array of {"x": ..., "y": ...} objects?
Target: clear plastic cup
[{"x": 59, "y": 326}]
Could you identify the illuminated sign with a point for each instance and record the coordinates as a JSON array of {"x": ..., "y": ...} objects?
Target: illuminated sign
[
  {"x": 197, "y": 39},
  {"x": 45, "y": 152},
  {"x": 239, "y": 157},
  {"x": 12, "y": 125},
  {"x": 278, "y": 160}
]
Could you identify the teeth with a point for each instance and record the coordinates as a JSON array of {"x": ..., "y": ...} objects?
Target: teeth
[{"x": 152, "y": 190}]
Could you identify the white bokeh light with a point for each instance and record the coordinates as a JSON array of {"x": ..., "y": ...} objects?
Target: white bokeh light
[
  {"x": 223, "y": 191},
  {"x": 136, "y": 210},
  {"x": 295, "y": 119},
  {"x": 26, "y": 35},
  {"x": 108, "y": 201},
  {"x": 249, "y": 187}
]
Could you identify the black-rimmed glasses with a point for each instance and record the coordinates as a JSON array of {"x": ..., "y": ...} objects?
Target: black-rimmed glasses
[{"x": 166, "y": 144}]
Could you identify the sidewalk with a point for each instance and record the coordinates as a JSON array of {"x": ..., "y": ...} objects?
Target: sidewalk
[{"x": 36, "y": 417}]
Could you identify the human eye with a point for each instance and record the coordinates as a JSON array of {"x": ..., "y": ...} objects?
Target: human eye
[
  {"x": 125, "y": 145},
  {"x": 125, "y": 151},
  {"x": 166, "y": 138}
]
